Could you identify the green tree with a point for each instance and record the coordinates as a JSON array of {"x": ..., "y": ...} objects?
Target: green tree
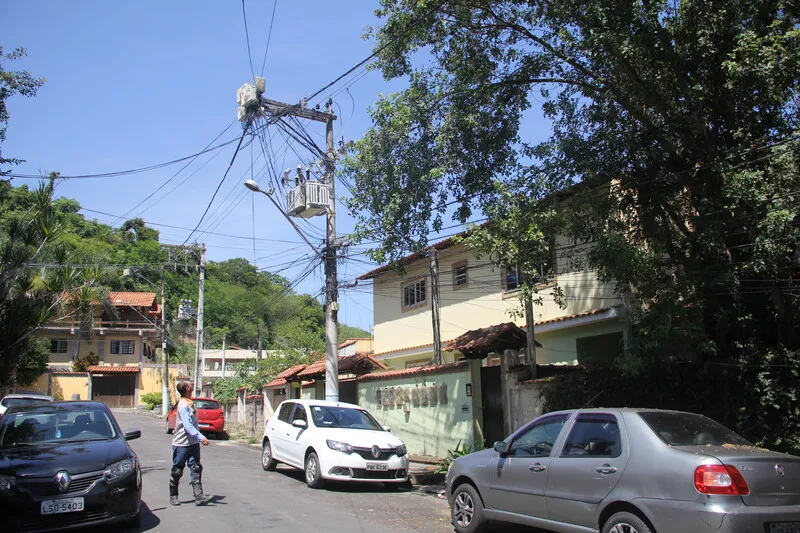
[
  {"x": 674, "y": 151},
  {"x": 12, "y": 83}
]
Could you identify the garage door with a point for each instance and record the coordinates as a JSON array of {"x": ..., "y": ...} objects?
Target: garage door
[{"x": 114, "y": 391}]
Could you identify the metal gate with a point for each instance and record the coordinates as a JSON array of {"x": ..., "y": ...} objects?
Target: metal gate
[
  {"x": 348, "y": 391},
  {"x": 114, "y": 391},
  {"x": 492, "y": 394}
]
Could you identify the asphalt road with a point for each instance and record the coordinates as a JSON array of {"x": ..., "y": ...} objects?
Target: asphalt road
[{"x": 245, "y": 498}]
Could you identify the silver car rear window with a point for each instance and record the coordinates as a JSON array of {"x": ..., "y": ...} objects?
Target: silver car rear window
[{"x": 688, "y": 429}]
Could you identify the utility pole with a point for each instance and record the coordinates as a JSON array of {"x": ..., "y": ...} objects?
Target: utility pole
[
  {"x": 258, "y": 353},
  {"x": 223, "y": 355},
  {"x": 198, "y": 382},
  {"x": 331, "y": 283},
  {"x": 251, "y": 102},
  {"x": 435, "y": 309},
  {"x": 164, "y": 355},
  {"x": 530, "y": 348}
]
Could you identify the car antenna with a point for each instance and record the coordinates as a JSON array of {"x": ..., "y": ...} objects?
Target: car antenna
[{"x": 593, "y": 399}]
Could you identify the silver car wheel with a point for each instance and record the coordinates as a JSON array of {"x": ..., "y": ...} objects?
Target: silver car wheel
[
  {"x": 266, "y": 454},
  {"x": 623, "y": 528},
  {"x": 311, "y": 470},
  {"x": 464, "y": 509}
]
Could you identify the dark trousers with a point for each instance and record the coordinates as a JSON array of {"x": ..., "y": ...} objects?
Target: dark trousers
[{"x": 181, "y": 455}]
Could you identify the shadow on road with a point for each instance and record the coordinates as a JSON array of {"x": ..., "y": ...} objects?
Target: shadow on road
[{"x": 355, "y": 487}]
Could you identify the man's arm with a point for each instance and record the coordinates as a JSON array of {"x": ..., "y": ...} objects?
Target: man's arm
[{"x": 186, "y": 419}]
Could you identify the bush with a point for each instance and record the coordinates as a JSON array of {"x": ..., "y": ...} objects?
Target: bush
[
  {"x": 151, "y": 399},
  {"x": 82, "y": 364},
  {"x": 461, "y": 449}
]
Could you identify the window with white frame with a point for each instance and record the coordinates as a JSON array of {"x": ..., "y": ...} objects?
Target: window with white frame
[
  {"x": 460, "y": 278},
  {"x": 59, "y": 345},
  {"x": 122, "y": 347},
  {"x": 512, "y": 279},
  {"x": 414, "y": 294}
]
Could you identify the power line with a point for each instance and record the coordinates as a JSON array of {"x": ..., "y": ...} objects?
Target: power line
[
  {"x": 247, "y": 35},
  {"x": 221, "y": 181},
  {"x": 129, "y": 211},
  {"x": 380, "y": 49},
  {"x": 269, "y": 36}
]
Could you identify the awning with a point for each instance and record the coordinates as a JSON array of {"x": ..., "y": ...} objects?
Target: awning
[{"x": 110, "y": 369}]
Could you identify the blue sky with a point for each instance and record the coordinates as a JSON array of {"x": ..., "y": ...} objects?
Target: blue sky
[{"x": 132, "y": 84}]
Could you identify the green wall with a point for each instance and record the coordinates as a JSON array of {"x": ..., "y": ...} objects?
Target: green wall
[{"x": 426, "y": 430}]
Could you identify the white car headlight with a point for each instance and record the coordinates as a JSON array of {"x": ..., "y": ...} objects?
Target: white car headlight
[
  {"x": 401, "y": 450},
  {"x": 119, "y": 469},
  {"x": 339, "y": 446},
  {"x": 7, "y": 483}
]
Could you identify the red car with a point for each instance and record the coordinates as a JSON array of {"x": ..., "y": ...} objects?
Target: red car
[{"x": 210, "y": 417}]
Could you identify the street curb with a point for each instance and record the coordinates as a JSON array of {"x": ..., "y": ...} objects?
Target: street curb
[{"x": 140, "y": 412}]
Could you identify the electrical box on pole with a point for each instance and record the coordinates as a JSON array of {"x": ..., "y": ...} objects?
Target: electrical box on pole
[{"x": 309, "y": 199}]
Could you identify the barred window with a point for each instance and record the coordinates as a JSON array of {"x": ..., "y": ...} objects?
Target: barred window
[{"x": 122, "y": 347}]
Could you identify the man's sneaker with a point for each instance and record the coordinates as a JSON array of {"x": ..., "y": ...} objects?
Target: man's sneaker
[
  {"x": 173, "y": 500},
  {"x": 202, "y": 499}
]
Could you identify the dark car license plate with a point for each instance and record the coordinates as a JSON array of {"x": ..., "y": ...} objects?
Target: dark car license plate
[{"x": 784, "y": 527}]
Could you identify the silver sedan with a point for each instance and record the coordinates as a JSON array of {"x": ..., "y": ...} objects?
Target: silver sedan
[{"x": 626, "y": 471}]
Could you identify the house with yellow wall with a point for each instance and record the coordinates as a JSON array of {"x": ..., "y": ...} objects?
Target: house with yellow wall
[{"x": 125, "y": 336}]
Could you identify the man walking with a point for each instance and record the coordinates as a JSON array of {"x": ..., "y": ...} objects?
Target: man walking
[{"x": 186, "y": 447}]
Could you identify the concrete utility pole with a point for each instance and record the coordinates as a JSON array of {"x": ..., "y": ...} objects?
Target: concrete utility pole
[
  {"x": 223, "y": 355},
  {"x": 331, "y": 283},
  {"x": 164, "y": 355},
  {"x": 250, "y": 102},
  {"x": 435, "y": 308},
  {"x": 198, "y": 382},
  {"x": 258, "y": 353},
  {"x": 530, "y": 348}
]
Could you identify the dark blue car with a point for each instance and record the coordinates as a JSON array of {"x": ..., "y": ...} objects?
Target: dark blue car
[{"x": 64, "y": 465}]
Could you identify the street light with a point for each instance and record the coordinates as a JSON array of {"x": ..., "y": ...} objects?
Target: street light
[{"x": 253, "y": 186}]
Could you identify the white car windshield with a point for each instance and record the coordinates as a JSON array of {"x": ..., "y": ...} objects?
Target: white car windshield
[
  {"x": 343, "y": 417},
  {"x": 57, "y": 425}
]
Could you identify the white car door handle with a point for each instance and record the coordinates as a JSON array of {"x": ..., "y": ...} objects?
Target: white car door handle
[
  {"x": 538, "y": 467},
  {"x": 606, "y": 469}
]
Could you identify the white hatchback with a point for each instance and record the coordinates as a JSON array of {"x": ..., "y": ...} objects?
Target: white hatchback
[{"x": 333, "y": 441}]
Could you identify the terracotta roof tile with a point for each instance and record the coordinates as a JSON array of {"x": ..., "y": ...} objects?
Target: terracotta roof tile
[
  {"x": 110, "y": 369},
  {"x": 135, "y": 299},
  {"x": 570, "y": 317},
  {"x": 484, "y": 339},
  {"x": 435, "y": 369},
  {"x": 347, "y": 363},
  {"x": 283, "y": 377}
]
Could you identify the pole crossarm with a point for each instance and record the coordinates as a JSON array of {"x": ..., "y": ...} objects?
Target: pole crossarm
[{"x": 274, "y": 107}]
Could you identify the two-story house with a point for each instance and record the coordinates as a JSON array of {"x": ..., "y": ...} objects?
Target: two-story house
[
  {"x": 476, "y": 294},
  {"x": 124, "y": 340}
]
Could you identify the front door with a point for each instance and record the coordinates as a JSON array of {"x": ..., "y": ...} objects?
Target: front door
[
  {"x": 517, "y": 481},
  {"x": 492, "y": 396},
  {"x": 588, "y": 468}
]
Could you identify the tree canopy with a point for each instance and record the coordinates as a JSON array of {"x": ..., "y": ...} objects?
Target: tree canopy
[{"x": 673, "y": 151}]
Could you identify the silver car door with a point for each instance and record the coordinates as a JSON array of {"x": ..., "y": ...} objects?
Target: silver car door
[
  {"x": 517, "y": 480},
  {"x": 587, "y": 468}
]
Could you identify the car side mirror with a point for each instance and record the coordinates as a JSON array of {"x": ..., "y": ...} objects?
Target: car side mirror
[
  {"x": 501, "y": 447},
  {"x": 387, "y": 428},
  {"x": 131, "y": 434},
  {"x": 302, "y": 424}
]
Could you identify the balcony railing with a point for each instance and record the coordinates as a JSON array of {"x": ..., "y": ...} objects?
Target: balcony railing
[{"x": 105, "y": 324}]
